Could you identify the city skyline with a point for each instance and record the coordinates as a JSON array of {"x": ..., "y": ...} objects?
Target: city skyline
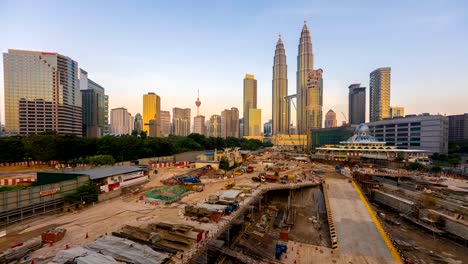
[{"x": 126, "y": 83}]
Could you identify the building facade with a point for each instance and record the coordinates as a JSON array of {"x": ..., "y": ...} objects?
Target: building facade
[
  {"x": 330, "y": 119},
  {"x": 250, "y": 99},
  {"x": 268, "y": 128},
  {"x": 379, "y": 86},
  {"x": 121, "y": 121},
  {"x": 280, "y": 114},
  {"x": 230, "y": 123},
  {"x": 181, "y": 121},
  {"x": 165, "y": 123},
  {"x": 42, "y": 93},
  {"x": 423, "y": 132},
  {"x": 93, "y": 106},
  {"x": 356, "y": 104},
  {"x": 152, "y": 111},
  {"x": 138, "y": 123},
  {"x": 324, "y": 136},
  {"x": 255, "y": 122},
  {"x": 309, "y": 90},
  {"x": 214, "y": 127},
  {"x": 199, "y": 125},
  {"x": 397, "y": 111},
  {"x": 458, "y": 127},
  {"x": 106, "y": 115}
]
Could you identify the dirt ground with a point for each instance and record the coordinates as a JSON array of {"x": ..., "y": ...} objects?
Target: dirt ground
[{"x": 427, "y": 248}]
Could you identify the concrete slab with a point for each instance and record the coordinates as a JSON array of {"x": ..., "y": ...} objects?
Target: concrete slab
[{"x": 357, "y": 234}]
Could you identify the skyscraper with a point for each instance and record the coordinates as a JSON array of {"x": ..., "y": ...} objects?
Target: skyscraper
[
  {"x": 250, "y": 99},
  {"x": 241, "y": 127},
  {"x": 458, "y": 127},
  {"x": 181, "y": 121},
  {"x": 165, "y": 123},
  {"x": 309, "y": 86},
  {"x": 397, "y": 111},
  {"x": 121, "y": 121},
  {"x": 152, "y": 111},
  {"x": 42, "y": 93},
  {"x": 379, "y": 86},
  {"x": 214, "y": 128},
  {"x": 280, "y": 115},
  {"x": 357, "y": 104},
  {"x": 230, "y": 123},
  {"x": 330, "y": 119},
  {"x": 93, "y": 102},
  {"x": 138, "y": 123},
  {"x": 255, "y": 122}
]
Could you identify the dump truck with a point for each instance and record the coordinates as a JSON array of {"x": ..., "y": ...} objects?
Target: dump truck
[{"x": 229, "y": 185}]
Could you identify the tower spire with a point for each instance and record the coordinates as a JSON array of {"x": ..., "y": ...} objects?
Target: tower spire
[{"x": 198, "y": 102}]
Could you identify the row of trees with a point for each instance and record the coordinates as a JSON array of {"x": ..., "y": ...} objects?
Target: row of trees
[{"x": 71, "y": 149}]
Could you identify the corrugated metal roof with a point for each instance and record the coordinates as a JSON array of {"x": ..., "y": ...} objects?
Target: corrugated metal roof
[{"x": 103, "y": 172}]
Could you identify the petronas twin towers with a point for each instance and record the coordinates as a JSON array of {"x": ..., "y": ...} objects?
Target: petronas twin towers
[{"x": 309, "y": 89}]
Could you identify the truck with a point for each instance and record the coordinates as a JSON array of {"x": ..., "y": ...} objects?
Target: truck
[{"x": 250, "y": 169}]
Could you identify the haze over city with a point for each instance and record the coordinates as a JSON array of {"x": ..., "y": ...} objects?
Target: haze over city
[{"x": 177, "y": 48}]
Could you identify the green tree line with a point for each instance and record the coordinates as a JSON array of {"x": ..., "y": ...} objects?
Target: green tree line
[{"x": 50, "y": 146}]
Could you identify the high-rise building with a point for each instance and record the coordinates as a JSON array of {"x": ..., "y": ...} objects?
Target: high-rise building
[
  {"x": 165, "y": 123},
  {"x": 106, "y": 115},
  {"x": 121, "y": 121},
  {"x": 241, "y": 127},
  {"x": 199, "y": 125},
  {"x": 330, "y": 119},
  {"x": 357, "y": 104},
  {"x": 250, "y": 99},
  {"x": 152, "y": 111},
  {"x": 255, "y": 122},
  {"x": 379, "y": 86},
  {"x": 93, "y": 105},
  {"x": 280, "y": 120},
  {"x": 214, "y": 127},
  {"x": 42, "y": 93},
  {"x": 181, "y": 121},
  {"x": 397, "y": 111},
  {"x": 458, "y": 127},
  {"x": 309, "y": 86},
  {"x": 314, "y": 115},
  {"x": 268, "y": 128},
  {"x": 138, "y": 123},
  {"x": 230, "y": 123}
]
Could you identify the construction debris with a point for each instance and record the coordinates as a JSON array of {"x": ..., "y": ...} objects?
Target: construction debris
[
  {"x": 19, "y": 251},
  {"x": 125, "y": 250},
  {"x": 53, "y": 235}
]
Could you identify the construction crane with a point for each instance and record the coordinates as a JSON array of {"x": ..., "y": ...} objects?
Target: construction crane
[{"x": 344, "y": 116}]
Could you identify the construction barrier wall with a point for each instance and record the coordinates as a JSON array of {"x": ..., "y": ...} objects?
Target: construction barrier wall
[
  {"x": 400, "y": 204},
  {"x": 171, "y": 164},
  {"x": 14, "y": 205}
]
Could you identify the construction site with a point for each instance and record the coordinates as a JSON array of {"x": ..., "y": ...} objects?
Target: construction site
[{"x": 278, "y": 207}]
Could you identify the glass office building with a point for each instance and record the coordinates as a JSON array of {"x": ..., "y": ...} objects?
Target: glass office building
[{"x": 42, "y": 93}]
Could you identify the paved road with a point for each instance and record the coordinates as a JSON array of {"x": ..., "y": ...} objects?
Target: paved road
[{"x": 356, "y": 232}]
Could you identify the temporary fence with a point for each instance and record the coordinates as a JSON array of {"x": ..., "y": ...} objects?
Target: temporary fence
[
  {"x": 15, "y": 181},
  {"x": 167, "y": 193},
  {"x": 176, "y": 164}
]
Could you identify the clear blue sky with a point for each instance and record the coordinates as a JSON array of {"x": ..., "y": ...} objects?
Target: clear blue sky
[{"x": 174, "y": 48}]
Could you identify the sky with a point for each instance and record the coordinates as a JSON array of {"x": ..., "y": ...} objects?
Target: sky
[{"x": 174, "y": 48}]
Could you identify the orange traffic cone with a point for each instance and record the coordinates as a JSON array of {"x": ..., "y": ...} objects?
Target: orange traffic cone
[
  {"x": 51, "y": 244},
  {"x": 86, "y": 235},
  {"x": 285, "y": 256},
  {"x": 67, "y": 246},
  {"x": 33, "y": 261}
]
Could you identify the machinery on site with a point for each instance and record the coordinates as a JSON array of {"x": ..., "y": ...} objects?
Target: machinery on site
[{"x": 281, "y": 248}]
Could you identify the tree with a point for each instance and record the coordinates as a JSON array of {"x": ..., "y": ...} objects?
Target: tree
[
  {"x": 224, "y": 163},
  {"x": 86, "y": 193}
]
